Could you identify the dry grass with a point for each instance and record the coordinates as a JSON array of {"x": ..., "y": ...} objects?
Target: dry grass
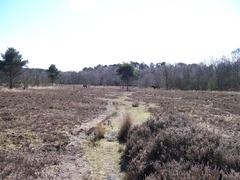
[
  {"x": 96, "y": 133},
  {"x": 125, "y": 127},
  {"x": 99, "y": 132}
]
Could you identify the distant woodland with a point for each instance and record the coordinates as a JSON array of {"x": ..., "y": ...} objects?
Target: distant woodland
[{"x": 221, "y": 74}]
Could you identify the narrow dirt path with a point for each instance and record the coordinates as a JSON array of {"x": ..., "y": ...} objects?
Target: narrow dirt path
[
  {"x": 85, "y": 160},
  {"x": 104, "y": 157}
]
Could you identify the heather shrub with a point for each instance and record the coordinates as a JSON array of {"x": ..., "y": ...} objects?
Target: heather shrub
[
  {"x": 125, "y": 127},
  {"x": 184, "y": 171},
  {"x": 25, "y": 165},
  {"x": 174, "y": 148}
]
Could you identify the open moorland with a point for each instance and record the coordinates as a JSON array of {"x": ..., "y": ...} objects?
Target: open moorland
[
  {"x": 71, "y": 132},
  {"x": 192, "y": 135},
  {"x": 35, "y": 125}
]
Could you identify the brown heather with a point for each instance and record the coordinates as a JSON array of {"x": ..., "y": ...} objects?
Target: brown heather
[
  {"x": 173, "y": 147},
  {"x": 33, "y": 126}
]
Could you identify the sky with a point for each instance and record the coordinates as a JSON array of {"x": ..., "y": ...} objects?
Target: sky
[{"x": 73, "y": 34}]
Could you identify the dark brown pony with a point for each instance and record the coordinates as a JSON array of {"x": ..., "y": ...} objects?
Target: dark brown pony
[{"x": 155, "y": 87}]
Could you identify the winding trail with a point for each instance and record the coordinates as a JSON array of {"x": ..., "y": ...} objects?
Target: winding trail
[{"x": 82, "y": 159}]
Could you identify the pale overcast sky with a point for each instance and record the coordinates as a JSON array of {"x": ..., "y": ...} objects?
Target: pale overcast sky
[{"x": 77, "y": 33}]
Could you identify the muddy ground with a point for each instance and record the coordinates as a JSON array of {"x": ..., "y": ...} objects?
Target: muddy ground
[{"x": 43, "y": 131}]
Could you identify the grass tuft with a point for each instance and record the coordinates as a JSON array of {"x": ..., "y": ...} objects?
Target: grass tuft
[
  {"x": 125, "y": 127},
  {"x": 99, "y": 132}
]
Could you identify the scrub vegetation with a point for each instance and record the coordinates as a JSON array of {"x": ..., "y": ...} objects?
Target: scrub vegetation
[{"x": 154, "y": 130}]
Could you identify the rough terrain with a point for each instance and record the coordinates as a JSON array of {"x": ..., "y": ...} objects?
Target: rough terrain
[{"x": 45, "y": 131}]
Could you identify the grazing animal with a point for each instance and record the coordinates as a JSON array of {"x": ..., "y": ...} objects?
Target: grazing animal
[
  {"x": 155, "y": 87},
  {"x": 85, "y": 86}
]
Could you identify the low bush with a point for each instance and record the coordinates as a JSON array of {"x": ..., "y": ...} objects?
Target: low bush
[
  {"x": 125, "y": 127},
  {"x": 135, "y": 104},
  {"x": 174, "y": 148}
]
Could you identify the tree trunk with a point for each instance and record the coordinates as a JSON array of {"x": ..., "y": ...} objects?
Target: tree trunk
[
  {"x": 127, "y": 84},
  {"x": 10, "y": 81},
  {"x": 166, "y": 77}
]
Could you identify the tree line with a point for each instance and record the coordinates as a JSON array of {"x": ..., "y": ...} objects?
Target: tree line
[
  {"x": 220, "y": 74},
  {"x": 12, "y": 71}
]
